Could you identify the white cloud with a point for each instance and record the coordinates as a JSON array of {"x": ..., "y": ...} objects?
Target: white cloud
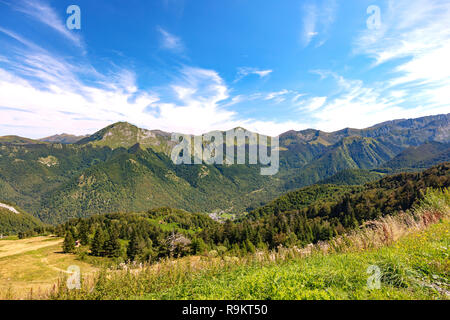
[
  {"x": 170, "y": 41},
  {"x": 45, "y": 14},
  {"x": 309, "y": 23},
  {"x": 297, "y": 97},
  {"x": 42, "y": 94},
  {"x": 317, "y": 19},
  {"x": 277, "y": 96},
  {"x": 262, "y": 73},
  {"x": 415, "y": 36},
  {"x": 358, "y": 106},
  {"x": 245, "y": 71},
  {"x": 313, "y": 104}
]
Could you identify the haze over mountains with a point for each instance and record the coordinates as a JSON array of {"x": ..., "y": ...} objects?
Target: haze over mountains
[{"x": 125, "y": 168}]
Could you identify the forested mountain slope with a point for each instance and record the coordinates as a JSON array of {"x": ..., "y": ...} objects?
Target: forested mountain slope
[
  {"x": 14, "y": 220},
  {"x": 125, "y": 168},
  {"x": 305, "y": 216}
]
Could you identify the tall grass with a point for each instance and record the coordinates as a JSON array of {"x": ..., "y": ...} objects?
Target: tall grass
[
  {"x": 193, "y": 277},
  {"x": 434, "y": 207}
]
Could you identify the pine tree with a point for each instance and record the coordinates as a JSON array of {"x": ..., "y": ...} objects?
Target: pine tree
[
  {"x": 98, "y": 243},
  {"x": 250, "y": 247},
  {"x": 112, "y": 247},
  {"x": 84, "y": 234},
  {"x": 198, "y": 246},
  {"x": 135, "y": 246},
  {"x": 69, "y": 243}
]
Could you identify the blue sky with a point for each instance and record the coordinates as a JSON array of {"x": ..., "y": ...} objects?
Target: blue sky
[{"x": 198, "y": 65}]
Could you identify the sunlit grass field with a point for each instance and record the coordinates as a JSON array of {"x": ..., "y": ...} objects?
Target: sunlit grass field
[
  {"x": 400, "y": 257},
  {"x": 31, "y": 267},
  {"x": 404, "y": 256},
  {"x": 416, "y": 267}
]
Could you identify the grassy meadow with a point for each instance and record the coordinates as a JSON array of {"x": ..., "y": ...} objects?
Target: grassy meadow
[
  {"x": 29, "y": 268},
  {"x": 410, "y": 251}
]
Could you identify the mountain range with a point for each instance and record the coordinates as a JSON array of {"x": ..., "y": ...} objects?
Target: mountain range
[{"x": 125, "y": 168}]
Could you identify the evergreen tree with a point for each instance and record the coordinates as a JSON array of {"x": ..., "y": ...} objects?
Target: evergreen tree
[
  {"x": 98, "y": 243},
  {"x": 84, "y": 234},
  {"x": 249, "y": 246},
  {"x": 69, "y": 243},
  {"x": 135, "y": 246},
  {"x": 112, "y": 246},
  {"x": 198, "y": 246}
]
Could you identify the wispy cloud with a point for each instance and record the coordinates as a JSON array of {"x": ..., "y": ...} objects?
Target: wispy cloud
[
  {"x": 313, "y": 104},
  {"x": 277, "y": 96},
  {"x": 414, "y": 36},
  {"x": 358, "y": 106},
  {"x": 317, "y": 18},
  {"x": 170, "y": 41},
  {"x": 57, "y": 98},
  {"x": 309, "y": 23},
  {"x": 45, "y": 14},
  {"x": 176, "y": 6},
  {"x": 296, "y": 97},
  {"x": 245, "y": 71},
  {"x": 415, "y": 39}
]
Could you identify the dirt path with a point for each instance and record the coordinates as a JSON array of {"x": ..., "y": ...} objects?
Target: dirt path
[
  {"x": 13, "y": 247},
  {"x": 45, "y": 260}
]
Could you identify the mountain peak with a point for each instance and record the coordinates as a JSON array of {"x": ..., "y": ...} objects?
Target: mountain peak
[
  {"x": 121, "y": 124},
  {"x": 63, "y": 138},
  {"x": 126, "y": 135}
]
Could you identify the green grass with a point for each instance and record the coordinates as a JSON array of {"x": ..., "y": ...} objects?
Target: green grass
[
  {"x": 35, "y": 270},
  {"x": 410, "y": 250},
  {"x": 10, "y": 238},
  {"x": 417, "y": 267}
]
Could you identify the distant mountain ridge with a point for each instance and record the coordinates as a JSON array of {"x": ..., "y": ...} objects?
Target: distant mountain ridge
[
  {"x": 16, "y": 140},
  {"x": 124, "y": 134},
  {"x": 431, "y": 128},
  {"x": 123, "y": 167},
  {"x": 63, "y": 138}
]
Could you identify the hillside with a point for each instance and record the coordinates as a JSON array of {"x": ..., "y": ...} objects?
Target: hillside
[
  {"x": 13, "y": 220},
  {"x": 409, "y": 270},
  {"x": 343, "y": 224},
  {"x": 140, "y": 179},
  {"x": 353, "y": 177},
  {"x": 287, "y": 221},
  {"x": 420, "y": 157},
  {"x": 302, "y": 198},
  {"x": 349, "y": 153},
  {"x": 27, "y": 172},
  {"x": 58, "y": 182},
  {"x": 16, "y": 140}
]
